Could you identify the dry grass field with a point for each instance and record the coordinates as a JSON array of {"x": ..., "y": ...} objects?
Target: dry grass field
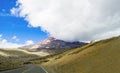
[
  {"x": 97, "y": 57},
  {"x": 14, "y": 58}
]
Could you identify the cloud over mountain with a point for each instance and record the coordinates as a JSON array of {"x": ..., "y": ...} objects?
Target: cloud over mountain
[{"x": 72, "y": 19}]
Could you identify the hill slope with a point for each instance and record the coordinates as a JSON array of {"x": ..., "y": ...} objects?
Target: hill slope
[
  {"x": 98, "y": 57},
  {"x": 14, "y": 58}
]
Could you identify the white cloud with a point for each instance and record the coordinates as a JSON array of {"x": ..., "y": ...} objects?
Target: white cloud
[
  {"x": 5, "y": 44},
  {"x": 0, "y": 35},
  {"x": 72, "y": 19},
  {"x": 15, "y": 38},
  {"x": 4, "y": 41},
  {"x": 29, "y": 42}
]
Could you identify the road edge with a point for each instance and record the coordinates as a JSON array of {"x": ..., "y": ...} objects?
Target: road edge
[{"x": 44, "y": 69}]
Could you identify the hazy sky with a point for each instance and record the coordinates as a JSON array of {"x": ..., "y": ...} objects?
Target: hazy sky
[{"x": 71, "y": 20}]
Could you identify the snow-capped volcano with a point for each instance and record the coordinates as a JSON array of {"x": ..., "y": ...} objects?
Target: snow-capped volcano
[{"x": 51, "y": 44}]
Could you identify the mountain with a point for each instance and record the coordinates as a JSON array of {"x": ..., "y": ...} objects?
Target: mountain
[
  {"x": 96, "y": 57},
  {"x": 51, "y": 44}
]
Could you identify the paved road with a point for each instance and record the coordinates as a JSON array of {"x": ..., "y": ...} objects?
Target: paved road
[{"x": 28, "y": 69}]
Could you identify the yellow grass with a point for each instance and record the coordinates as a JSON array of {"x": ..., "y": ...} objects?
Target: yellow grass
[
  {"x": 97, "y": 57},
  {"x": 14, "y": 58}
]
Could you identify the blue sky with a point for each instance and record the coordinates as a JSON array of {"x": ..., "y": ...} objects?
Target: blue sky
[{"x": 11, "y": 26}]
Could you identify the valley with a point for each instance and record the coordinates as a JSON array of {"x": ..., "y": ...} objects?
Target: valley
[
  {"x": 34, "y": 54},
  {"x": 96, "y": 57}
]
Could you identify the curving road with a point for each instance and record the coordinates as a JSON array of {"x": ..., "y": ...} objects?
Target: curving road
[{"x": 28, "y": 69}]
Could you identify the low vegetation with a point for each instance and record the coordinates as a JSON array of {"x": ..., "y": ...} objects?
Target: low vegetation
[
  {"x": 97, "y": 57},
  {"x": 14, "y": 58}
]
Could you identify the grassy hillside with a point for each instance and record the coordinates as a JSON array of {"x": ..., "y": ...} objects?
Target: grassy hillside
[
  {"x": 97, "y": 57},
  {"x": 14, "y": 58}
]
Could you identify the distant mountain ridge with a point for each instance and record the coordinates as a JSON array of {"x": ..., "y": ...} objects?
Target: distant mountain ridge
[{"x": 52, "y": 44}]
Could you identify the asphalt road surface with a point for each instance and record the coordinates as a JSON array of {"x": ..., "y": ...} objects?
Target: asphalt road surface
[{"x": 27, "y": 69}]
